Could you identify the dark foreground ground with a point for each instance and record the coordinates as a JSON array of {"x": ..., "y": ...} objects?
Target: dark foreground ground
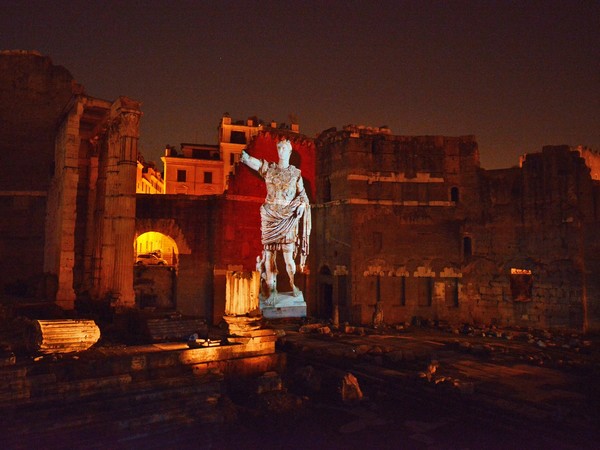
[
  {"x": 514, "y": 391},
  {"x": 422, "y": 387}
]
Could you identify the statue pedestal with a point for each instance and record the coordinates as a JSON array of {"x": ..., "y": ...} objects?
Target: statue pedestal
[{"x": 284, "y": 305}]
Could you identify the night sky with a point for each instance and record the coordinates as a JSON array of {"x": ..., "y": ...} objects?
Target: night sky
[{"x": 517, "y": 75}]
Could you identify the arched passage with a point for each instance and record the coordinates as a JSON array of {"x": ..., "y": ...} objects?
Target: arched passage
[
  {"x": 155, "y": 272},
  {"x": 158, "y": 243}
]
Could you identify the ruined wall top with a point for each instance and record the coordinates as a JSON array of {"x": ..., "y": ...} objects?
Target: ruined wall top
[
  {"x": 20, "y": 52},
  {"x": 592, "y": 160},
  {"x": 358, "y": 130},
  {"x": 367, "y": 149},
  {"x": 33, "y": 95},
  {"x": 590, "y": 157},
  {"x": 362, "y": 132}
]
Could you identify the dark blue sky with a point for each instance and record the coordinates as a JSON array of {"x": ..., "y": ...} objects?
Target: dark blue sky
[{"x": 518, "y": 75}]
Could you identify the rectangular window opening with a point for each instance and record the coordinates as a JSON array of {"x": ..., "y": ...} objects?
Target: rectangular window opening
[
  {"x": 452, "y": 292},
  {"x": 238, "y": 137},
  {"x": 425, "y": 291},
  {"x": 521, "y": 284},
  {"x": 402, "y": 291}
]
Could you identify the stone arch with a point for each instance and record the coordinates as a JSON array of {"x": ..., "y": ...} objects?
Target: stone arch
[
  {"x": 483, "y": 267},
  {"x": 443, "y": 268},
  {"x": 377, "y": 266},
  {"x": 168, "y": 227},
  {"x": 158, "y": 243},
  {"x": 412, "y": 266}
]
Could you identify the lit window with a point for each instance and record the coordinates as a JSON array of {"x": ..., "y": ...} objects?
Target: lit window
[{"x": 521, "y": 284}]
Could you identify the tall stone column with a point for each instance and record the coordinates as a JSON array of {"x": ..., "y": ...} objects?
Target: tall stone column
[
  {"x": 59, "y": 252},
  {"x": 107, "y": 209},
  {"x": 123, "y": 223},
  {"x": 89, "y": 266}
]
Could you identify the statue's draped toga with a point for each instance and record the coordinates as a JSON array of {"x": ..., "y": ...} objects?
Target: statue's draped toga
[
  {"x": 285, "y": 208},
  {"x": 280, "y": 214}
]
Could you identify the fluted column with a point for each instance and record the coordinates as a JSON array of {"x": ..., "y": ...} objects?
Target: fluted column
[
  {"x": 59, "y": 252},
  {"x": 123, "y": 217}
]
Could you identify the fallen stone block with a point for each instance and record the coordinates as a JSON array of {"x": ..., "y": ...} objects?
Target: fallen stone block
[
  {"x": 269, "y": 382},
  {"x": 350, "y": 389},
  {"x": 62, "y": 336}
]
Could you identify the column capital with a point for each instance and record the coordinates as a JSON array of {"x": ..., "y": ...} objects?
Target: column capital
[{"x": 126, "y": 113}]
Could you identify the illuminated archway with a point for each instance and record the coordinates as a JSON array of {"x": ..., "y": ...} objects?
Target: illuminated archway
[{"x": 155, "y": 242}]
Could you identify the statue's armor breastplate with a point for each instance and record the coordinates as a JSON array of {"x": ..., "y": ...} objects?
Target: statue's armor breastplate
[{"x": 281, "y": 184}]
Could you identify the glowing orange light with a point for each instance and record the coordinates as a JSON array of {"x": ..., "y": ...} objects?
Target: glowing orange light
[{"x": 514, "y": 271}]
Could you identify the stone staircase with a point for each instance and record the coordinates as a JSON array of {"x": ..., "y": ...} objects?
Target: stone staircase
[{"x": 106, "y": 397}]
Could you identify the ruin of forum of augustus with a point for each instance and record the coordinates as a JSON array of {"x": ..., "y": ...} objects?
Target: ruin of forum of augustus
[
  {"x": 405, "y": 228},
  {"x": 75, "y": 160},
  {"x": 411, "y": 228}
]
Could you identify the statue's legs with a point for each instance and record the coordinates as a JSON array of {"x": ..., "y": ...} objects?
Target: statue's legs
[
  {"x": 290, "y": 267},
  {"x": 271, "y": 272}
]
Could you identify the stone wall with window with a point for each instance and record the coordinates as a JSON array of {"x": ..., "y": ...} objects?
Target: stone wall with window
[{"x": 425, "y": 233}]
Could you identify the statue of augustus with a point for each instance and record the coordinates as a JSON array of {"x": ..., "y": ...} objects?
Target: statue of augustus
[{"x": 285, "y": 207}]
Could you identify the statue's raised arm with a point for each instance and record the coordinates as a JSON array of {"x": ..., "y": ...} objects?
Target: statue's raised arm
[{"x": 250, "y": 161}]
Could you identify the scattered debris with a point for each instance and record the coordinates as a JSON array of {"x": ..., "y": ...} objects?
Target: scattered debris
[
  {"x": 324, "y": 330},
  {"x": 309, "y": 328},
  {"x": 431, "y": 369},
  {"x": 268, "y": 382},
  {"x": 361, "y": 331},
  {"x": 350, "y": 390},
  {"x": 308, "y": 379}
]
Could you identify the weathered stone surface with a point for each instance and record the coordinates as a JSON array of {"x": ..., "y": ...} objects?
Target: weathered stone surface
[
  {"x": 308, "y": 379},
  {"x": 268, "y": 382},
  {"x": 62, "y": 336},
  {"x": 241, "y": 367},
  {"x": 245, "y": 326},
  {"x": 350, "y": 390},
  {"x": 174, "y": 329},
  {"x": 424, "y": 232}
]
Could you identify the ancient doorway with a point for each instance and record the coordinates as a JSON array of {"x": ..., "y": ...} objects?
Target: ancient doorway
[
  {"x": 521, "y": 284},
  {"x": 155, "y": 271},
  {"x": 158, "y": 244}
]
